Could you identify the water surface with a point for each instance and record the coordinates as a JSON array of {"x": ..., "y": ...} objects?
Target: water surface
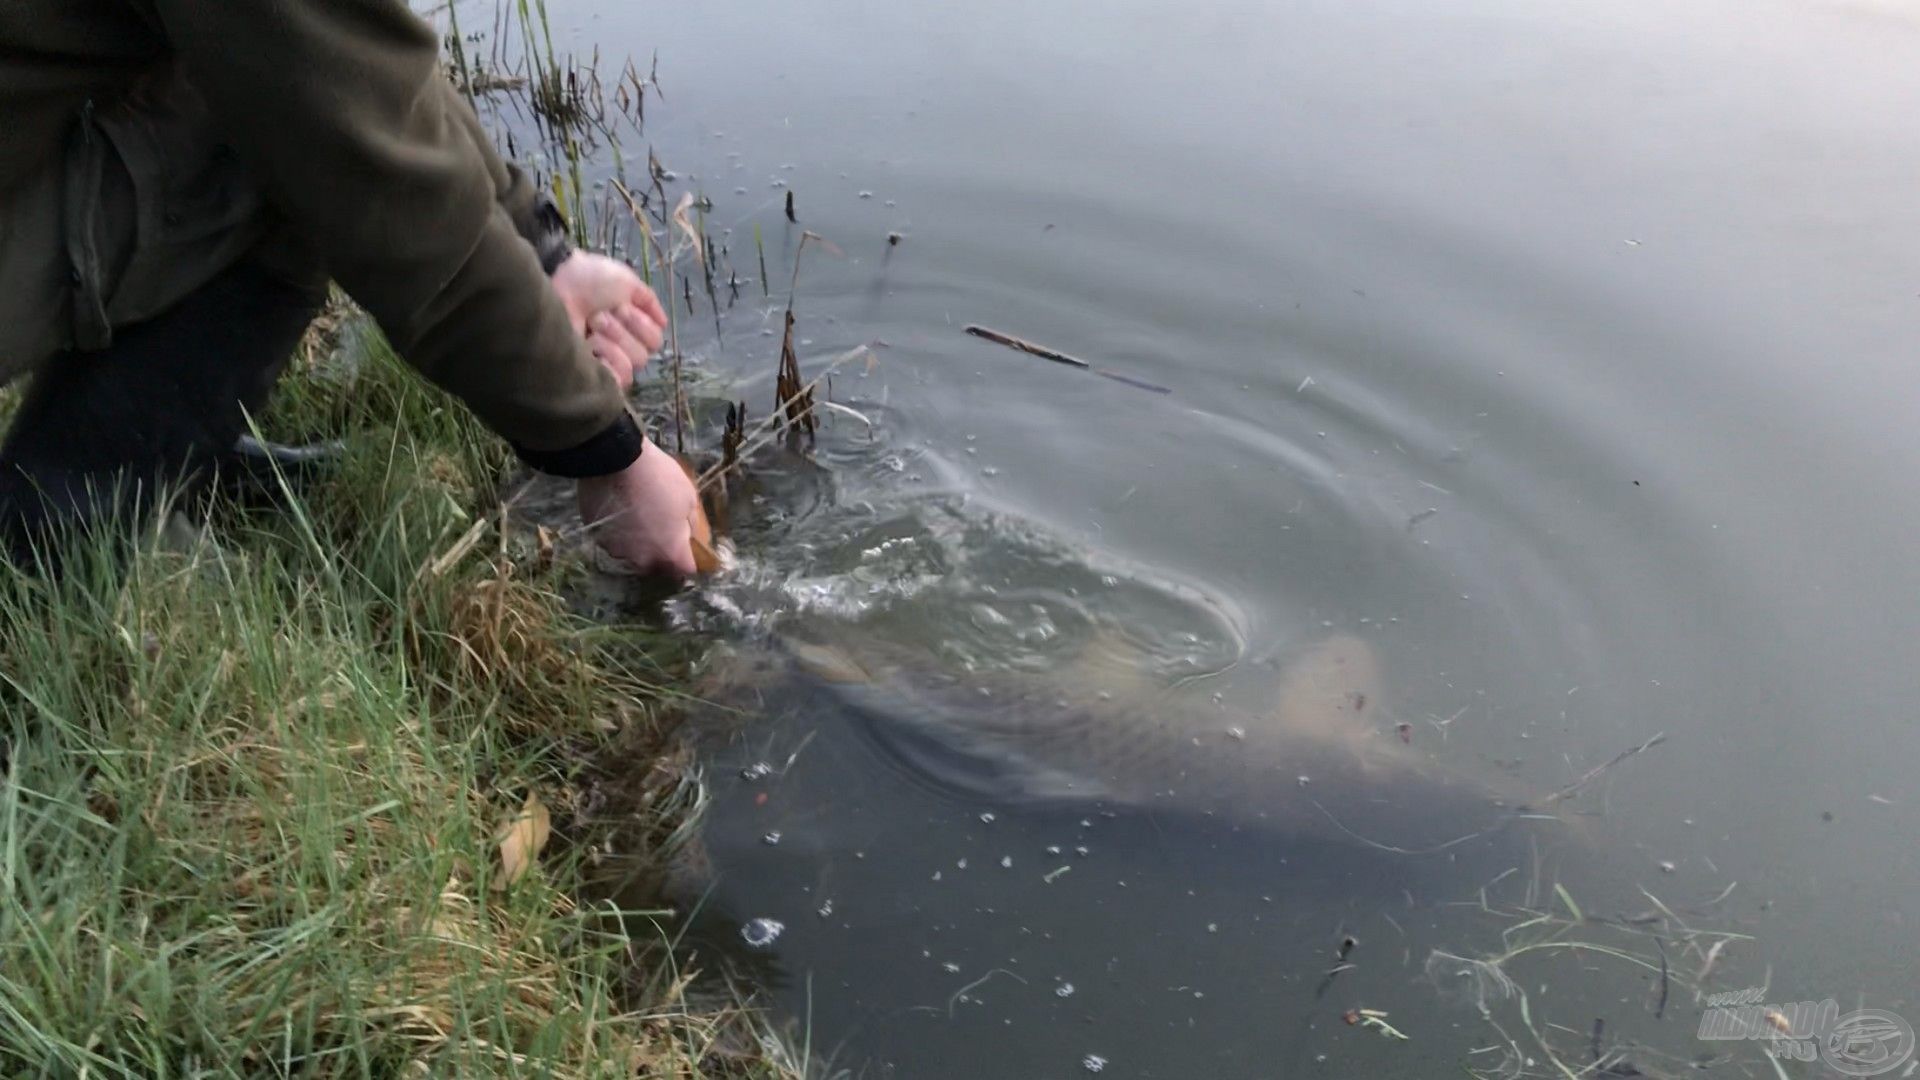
[{"x": 1561, "y": 351}]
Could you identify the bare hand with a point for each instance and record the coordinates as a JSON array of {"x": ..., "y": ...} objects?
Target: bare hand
[
  {"x": 645, "y": 514},
  {"x": 614, "y": 310}
]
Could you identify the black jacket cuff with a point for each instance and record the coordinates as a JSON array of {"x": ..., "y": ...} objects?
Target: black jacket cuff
[{"x": 615, "y": 448}]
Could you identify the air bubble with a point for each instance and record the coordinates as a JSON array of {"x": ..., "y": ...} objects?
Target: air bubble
[{"x": 761, "y": 933}]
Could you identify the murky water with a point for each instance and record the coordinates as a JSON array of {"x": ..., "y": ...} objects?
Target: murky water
[{"x": 1562, "y": 352}]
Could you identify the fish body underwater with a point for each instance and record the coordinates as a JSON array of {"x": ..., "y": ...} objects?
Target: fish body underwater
[{"x": 1321, "y": 761}]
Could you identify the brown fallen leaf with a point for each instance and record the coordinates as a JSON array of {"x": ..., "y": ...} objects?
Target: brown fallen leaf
[
  {"x": 522, "y": 840},
  {"x": 544, "y": 557}
]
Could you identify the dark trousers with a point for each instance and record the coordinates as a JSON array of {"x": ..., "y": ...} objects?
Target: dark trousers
[{"x": 100, "y": 434}]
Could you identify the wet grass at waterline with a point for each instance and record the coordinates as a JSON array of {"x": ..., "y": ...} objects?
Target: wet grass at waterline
[{"x": 304, "y": 797}]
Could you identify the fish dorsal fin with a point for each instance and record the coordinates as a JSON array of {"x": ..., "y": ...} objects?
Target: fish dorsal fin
[
  {"x": 828, "y": 663},
  {"x": 1330, "y": 692}
]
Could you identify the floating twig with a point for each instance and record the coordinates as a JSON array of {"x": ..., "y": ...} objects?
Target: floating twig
[
  {"x": 1059, "y": 357},
  {"x": 1024, "y": 346}
]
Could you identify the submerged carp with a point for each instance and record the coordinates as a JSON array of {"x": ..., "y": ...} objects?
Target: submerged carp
[
  {"x": 1319, "y": 757},
  {"x": 1323, "y": 760}
]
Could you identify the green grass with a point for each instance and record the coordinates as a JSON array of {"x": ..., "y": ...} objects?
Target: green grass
[{"x": 252, "y": 796}]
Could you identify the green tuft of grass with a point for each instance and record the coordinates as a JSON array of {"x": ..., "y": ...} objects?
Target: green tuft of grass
[{"x": 254, "y": 789}]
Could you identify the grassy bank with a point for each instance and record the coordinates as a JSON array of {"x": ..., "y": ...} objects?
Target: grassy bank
[{"x": 258, "y": 815}]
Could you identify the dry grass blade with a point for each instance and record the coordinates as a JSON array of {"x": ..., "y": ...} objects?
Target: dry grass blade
[
  {"x": 834, "y": 406},
  {"x": 693, "y": 235},
  {"x": 468, "y": 541},
  {"x": 1595, "y": 773}
]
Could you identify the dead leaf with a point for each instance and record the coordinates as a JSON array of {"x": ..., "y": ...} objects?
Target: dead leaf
[
  {"x": 543, "y": 557},
  {"x": 522, "y": 840}
]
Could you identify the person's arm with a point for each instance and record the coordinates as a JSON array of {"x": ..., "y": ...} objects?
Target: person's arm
[
  {"x": 340, "y": 108},
  {"x": 535, "y": 215}
]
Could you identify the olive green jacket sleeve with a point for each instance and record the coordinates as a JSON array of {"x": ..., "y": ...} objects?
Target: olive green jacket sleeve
[{"x": 340, "y": 109}]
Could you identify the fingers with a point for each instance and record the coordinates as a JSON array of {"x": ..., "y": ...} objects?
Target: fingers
[
  {"x": 643, "y": 298},
  {"x": 614, "y": 359},
  {"x": 644, "y": 328},
  {"x": 615, "y": 342},
  {"x": 670, "y": 556},
  {"x": 679, "y": 558}
]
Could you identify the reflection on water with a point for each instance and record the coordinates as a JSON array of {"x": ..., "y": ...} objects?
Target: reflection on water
[{"x": 1559, "y": 352}]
